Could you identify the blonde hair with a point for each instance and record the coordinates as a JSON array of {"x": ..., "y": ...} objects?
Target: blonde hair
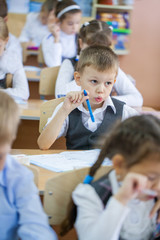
[
  {"x": 3, "y": 29},
  {"x": 9, "y": 118},
  {"x": 102, "y": 58}
]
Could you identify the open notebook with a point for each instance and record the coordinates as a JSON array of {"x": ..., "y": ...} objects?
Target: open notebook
[{"x": 65, "y": 161}]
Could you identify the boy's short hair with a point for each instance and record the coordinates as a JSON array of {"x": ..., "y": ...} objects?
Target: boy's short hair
[
  {"x": 102, "y": 58},
  {"x": 3, "y": 29},
  {"x": 9, "y": 118},
  {"x": 3, "y": 9}
]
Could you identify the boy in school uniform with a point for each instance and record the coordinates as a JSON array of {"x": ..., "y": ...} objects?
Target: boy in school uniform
[
  {"x": 13, "y": 43},
  {"x": 21, "y": 213},
  {"x": 96, "y": 73}
]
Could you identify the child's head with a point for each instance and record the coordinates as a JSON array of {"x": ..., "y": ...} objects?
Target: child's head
[
  {"x": 4, "y": 35},
  {"x": 95, "y": 33},
  {"x": 68, "y": 14},
  {"x": 96, "y": 72},
  {"x": 134, "y": 146},
  {"x": 9, "y": 119},
  {"x": 3, "y": 10},
  {"x": 47, "y": 9}
]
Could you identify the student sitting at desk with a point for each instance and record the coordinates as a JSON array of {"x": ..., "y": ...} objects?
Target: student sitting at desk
[
  {"x": 96, "y": 73},
  {"x": 13, "y": 43},
  {"x": 96, "y": 33},
  {"x": 10, "y": 63},
  {"x": 36, "y": 24},
  {"x": 124, "y": 203},
  {"x": 62, "y": 42},
  {"x": 21, "y": 213}
]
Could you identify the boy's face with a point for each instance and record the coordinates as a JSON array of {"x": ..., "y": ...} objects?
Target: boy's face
[
  {"x": 98, "y": 84},
  {"x": 4, "y": 150}
]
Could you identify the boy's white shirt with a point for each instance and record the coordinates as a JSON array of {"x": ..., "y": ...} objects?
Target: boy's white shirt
[
  {"x": 10, "y": 63},
  {"x": 125, "y": 89},
  {"x": 14, "y": 45},
  {"x": 98, "y": 115},
  {"x": 94, "y": 222},
  {"x": 53, "y": 52},
  {"x": 33, "y": 30}
]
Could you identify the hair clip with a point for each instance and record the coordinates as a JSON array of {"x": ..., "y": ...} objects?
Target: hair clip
[
  {"x": 88, "y": 179},
  {"x": 111, "y": 28},
  {"x": 85, "y": 24}
]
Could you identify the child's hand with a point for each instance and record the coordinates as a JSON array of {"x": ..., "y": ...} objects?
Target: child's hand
[
  {"x": 155, "y": 210},
  {"x": 54, "y": 28},
  {"x": 73, "y": 100},
  {"x": 133, "y": 185}
]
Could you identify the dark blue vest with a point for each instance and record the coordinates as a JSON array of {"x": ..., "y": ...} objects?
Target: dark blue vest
[{"x": 80, "y": 138}]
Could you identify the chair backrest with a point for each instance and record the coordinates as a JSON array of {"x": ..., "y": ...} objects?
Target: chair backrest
[
  {"x": 9, "y": 79},
  {"x": 47, "y": 82},
  {"x": 46, "y": 110},
  {"x": 58, "y": 192},
  {"x": 40, "y": 56}
]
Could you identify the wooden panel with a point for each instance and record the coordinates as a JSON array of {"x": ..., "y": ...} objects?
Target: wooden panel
[{"x": 16, "y": 23}]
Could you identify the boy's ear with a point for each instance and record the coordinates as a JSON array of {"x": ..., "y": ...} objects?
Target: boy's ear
[{"x": 77, "y": 78}]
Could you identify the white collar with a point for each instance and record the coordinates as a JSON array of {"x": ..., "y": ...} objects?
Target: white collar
[{"x": 106, "y": 103}]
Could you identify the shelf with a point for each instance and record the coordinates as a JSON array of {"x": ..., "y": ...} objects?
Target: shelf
[
  {"x": 114, "y": 7},
  {"x": 121, "y": 52}
]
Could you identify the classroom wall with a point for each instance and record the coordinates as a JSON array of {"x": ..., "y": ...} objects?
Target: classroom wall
[{"x": 143, "y": 62}]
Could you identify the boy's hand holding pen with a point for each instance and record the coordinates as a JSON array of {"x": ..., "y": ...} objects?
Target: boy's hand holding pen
[{"x": 73, "y": 100}]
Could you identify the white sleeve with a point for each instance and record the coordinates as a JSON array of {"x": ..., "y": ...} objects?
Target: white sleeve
[
  {"x": 65, "y": 76},
  {"x": 20, "y": 86},
  {"x": 126, "y": 91},
  {"x": 93, "y": 220},
  {"x": 25, "y": 34},
  {"x": 64, "y": 127},
  {"x": 52, "y": 52},
  {"x": 128, "y": 112}
]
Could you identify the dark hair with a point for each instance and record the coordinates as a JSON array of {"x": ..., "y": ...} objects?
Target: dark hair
[
  {"x": 96, "y": 33},
  {"x": 49, "y": 5},
  {"x": 135, "y": 138},
  {"x": 3, "y": 9},
  {"x": 63, "y": 4},
  {"x": 101, "y": 57}
]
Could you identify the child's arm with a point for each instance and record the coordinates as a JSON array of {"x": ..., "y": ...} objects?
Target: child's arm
[
  {"x": 96, "y": 222},
  {"x": 32, "y": 221},
  {"x": 126, "y": 91},
  {"x": 65, "y": 76},
  {"x": 20, "y": 86},
  {"x": 50, "y": 133}
]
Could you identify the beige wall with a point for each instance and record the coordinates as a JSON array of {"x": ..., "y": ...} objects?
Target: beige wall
[{"x": 143, "y": 62}]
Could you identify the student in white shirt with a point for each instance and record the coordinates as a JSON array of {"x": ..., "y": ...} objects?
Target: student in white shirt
[
  {"x": 96, "y": 33},
  {"x": 96, "y": 73},
  {"x": 36, "y": 26},
  {"x": 121, "y": 205},
  {"x": 62, "y": 43},
  {"x": 10, "y": 63},
  {"x": 13, "y": 43}
]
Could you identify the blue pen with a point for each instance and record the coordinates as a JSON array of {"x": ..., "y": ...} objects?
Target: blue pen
[
  {"x": 89, "y": 106},
  {"x": 50, "y": 35}
]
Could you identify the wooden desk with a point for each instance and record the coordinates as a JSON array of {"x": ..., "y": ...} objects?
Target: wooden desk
[
  {"x": 44, "y": 174},
  {"x": 30, "y": 110}
]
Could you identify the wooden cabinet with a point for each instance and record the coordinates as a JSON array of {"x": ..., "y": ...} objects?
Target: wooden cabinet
[{"x": 118, "y": 16}]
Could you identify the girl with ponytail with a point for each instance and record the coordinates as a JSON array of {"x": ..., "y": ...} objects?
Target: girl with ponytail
[{"x": 123, "y": 204}]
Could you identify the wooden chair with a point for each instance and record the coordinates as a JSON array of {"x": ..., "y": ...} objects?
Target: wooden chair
[
  {"x": 9, "y": 79},
  {"x": 47, "y": 82},
  {"x": 46, "y": 110},
  {"x": 58, "y": 192}
]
